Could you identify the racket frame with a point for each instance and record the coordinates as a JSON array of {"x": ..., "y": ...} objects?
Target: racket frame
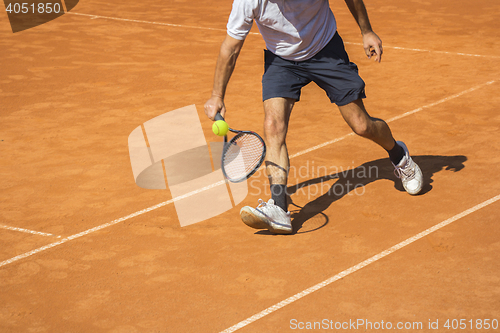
[{"x": 227, "y": 145}]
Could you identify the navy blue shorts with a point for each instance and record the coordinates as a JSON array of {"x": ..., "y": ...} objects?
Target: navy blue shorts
[{"x": 330, "y": 69}]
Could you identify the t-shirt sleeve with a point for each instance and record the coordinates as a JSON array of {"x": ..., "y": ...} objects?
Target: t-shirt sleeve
[{"x": 241, "y": 19}]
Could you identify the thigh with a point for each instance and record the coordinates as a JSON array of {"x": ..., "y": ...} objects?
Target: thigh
[
  {"x": 335, "y": 74},
  {"x": 355, "y": 114},
  {"x": 282, "y": 78}
]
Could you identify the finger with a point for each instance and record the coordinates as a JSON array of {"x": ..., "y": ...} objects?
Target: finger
[
  {"x": 378, "y": 50},
  {"x": 223, "y": 111},
  {"x": 376, "y": 53},
  {"x": 210, "y": 111},
  {"x": 207, "y": 109},
  {"x": 368, "y": 52}
]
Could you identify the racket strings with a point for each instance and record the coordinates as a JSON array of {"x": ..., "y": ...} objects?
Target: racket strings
[{"x": 243, "y": 154}]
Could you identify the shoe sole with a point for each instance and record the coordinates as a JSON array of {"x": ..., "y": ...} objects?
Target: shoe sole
[
  {"x": 279, "y": 231},
  {"x": 251, "y": 220},
  {"x": 254, "y": 222}
]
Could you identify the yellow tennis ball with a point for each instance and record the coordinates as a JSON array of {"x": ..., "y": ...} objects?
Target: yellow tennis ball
[{"x": 220, "y": 128}]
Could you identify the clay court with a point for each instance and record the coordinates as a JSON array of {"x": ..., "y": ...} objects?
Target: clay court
[{"x": 84, "y": 249}]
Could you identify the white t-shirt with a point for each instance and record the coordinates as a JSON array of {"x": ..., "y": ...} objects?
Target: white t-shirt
[{"x": 292, "y": 29}]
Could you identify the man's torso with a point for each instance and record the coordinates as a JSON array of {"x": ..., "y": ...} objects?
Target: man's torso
[{"x": 292, "y": 29}]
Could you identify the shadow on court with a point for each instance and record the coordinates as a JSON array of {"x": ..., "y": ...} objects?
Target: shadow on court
[{"x": 311, "y": 217}]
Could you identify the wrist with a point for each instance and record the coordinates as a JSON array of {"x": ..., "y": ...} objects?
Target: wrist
[
  {"x": 366, "y": 31},
  {"x": 218, "y": 95}
]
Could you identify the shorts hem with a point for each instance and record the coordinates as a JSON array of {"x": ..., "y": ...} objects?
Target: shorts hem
[
  {"x": 265, "y": 98},
  {"x": 350, "y": 98}
]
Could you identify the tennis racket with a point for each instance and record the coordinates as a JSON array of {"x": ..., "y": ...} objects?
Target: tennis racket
[{"x": 242, "y": 155}]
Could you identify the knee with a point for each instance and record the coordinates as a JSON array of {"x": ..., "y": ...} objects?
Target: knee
[
  {"x": 274, "y": 128},
  {"x": 362, "y": 128}
]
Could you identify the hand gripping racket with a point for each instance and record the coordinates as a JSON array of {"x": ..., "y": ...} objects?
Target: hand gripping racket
[{"x": 242, "y": 155}]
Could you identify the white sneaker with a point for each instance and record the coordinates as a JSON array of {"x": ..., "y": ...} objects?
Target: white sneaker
[
  {"x": 409, "y": 172},
  {"x": 267, "y": 216}
]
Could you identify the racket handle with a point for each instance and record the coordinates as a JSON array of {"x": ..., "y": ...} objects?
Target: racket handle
[{"x": 218, "y": 116}]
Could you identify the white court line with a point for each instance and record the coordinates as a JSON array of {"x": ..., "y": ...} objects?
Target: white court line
[
  {"x": 444, "y": 52},
  {"x": 27, "y": 231},
  {"x": 431, "y": 51},
  {"x": 442, "y": 101},
  {"x": 256, "y": 33},
  {"x": 357, "y": 267},
  {"x": 446, "y": 99},
  {"x": 151, "y": 22},
  {"x": 324, "y": 144},
  {"x": 89, "y": 231},
  {"x": 64, "y": 240}
]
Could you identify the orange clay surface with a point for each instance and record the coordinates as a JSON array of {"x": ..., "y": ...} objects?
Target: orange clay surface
[{"x": 72, "y": 90}]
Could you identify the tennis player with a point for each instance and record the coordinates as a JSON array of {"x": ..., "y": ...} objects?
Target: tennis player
[{"x": 303, "y": 46}]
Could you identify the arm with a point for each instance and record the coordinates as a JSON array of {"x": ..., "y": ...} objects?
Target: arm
[
  {"x": 229, "y": 51},
  {"x": 371, "y": 42}
]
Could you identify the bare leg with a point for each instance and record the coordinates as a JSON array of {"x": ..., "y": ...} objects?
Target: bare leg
[
  {"x": 274, "y": 216},
  {"x": 379, "y": 132},
  {"x": 368, "y": 127},
  {"x": 277, "y": 116}
]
